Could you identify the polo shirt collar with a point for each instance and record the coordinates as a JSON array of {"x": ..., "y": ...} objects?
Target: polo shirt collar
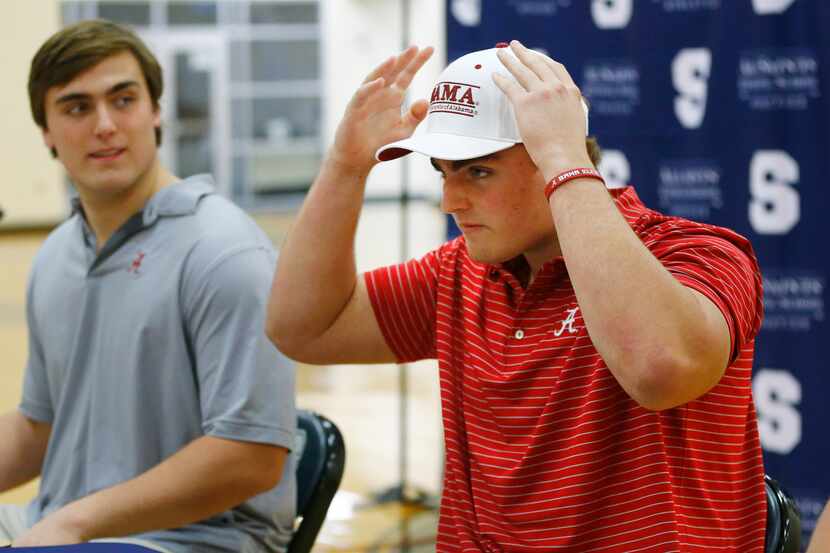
[
  {"x": 628, "y": 203},
  {"x": 177, "y": 199},
  {"x": 180, "y": 198}
]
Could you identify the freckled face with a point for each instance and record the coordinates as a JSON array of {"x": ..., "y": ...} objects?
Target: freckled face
[{"x": 498, "y": 203}]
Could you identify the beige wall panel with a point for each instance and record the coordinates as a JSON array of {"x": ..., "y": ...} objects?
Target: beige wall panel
[
  {"x": 31, "y": 190},
  {"x": 16, "y": 253}
]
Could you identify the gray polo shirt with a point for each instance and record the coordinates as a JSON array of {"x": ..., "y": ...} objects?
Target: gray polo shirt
[{"x": 152, "y": 343}]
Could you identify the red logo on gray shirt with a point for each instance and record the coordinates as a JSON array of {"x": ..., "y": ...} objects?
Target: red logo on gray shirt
[{"x": 136, "y": 264}]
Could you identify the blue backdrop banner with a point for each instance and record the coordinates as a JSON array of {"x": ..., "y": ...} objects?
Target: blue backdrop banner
[{"x": 715, "y": 110}]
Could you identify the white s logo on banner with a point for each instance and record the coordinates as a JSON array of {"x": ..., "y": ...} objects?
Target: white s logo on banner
[
  {"x": 767, "y": 7},
  {"x": 467, "y": 12},
  {"x": 611, "y": 14},
  {"x": 775, "y": 206},
  {"x": 615, "y": 168},
  {"x": 690, "y": 76},
  {"x": 776, "y": 393}
]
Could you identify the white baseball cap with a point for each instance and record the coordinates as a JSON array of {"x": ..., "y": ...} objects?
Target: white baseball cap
[{"x": 468, "y": 115}]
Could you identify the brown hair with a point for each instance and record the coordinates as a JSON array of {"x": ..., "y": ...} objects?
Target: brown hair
[
  {"x": 594, "y": 151},
  {"x": 79, "y": 47}
]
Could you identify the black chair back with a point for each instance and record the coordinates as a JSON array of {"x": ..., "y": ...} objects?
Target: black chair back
[
  {"x": 783, "y": 520},
  {"x": 319, "y": 471}
]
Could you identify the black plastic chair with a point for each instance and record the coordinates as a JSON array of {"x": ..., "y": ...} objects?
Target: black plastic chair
[
  {"x": 319, "y": 471},
  {"x": 783, "y": 520}
]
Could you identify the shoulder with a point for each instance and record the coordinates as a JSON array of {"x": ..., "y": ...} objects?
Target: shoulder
[
  {"x": 225, "y": 223},
  {"x": 219, "y": 217},
  {"x": 217, "y": 244},
  {"x": 217, "y": 230},
  {"x": 57, "y": 245},
  {"x": 190, "y": 211},
  {"x": 657, "y": 231},
  {"x": 64, "y": 235},
  {"x": 435, "y": 265}
]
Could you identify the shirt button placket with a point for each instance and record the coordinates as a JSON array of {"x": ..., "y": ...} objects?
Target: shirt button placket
[{"x": 491, "y": 547}]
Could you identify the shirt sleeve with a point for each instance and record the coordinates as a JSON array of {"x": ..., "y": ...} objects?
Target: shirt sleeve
[
  {"x": 36, "y": 401},
  {"x": 246, "y": 387},
  {"x": 404, "y": 300},
  {"x": 719, "y": 264}
]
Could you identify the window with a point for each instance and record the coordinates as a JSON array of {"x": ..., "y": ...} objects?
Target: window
[
  {"x": 242, "y": 89},
  {"x": 133, "y": 13},
  {"x": 191, "y": 13}
]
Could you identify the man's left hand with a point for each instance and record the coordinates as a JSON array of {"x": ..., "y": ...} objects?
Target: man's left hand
[
  {"x": 548, "y": 108},
  {"x": 51, "y": 530}
]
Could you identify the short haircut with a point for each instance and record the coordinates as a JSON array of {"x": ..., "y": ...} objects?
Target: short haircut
[
  {"x": 594, "y": 150},
  {"x": 81, "y": 46}
]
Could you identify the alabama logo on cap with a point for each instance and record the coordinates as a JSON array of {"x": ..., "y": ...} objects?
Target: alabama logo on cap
[{"x": 452, "y": 97}]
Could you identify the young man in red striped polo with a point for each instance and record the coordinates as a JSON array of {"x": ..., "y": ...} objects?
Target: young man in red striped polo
[{"x": 594, "y": 355}]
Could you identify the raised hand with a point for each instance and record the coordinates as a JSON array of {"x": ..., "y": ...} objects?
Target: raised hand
[
  {"x": 373, "y": 117},
  {"x": 548, "y": 107}
]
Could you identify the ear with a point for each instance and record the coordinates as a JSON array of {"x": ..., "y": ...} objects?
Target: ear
[
  {"x": 47, "y": 138},
  {"x": 157, "y": 116}
]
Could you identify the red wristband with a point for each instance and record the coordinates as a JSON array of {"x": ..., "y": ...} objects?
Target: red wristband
[{"x": 578, "y": 173}]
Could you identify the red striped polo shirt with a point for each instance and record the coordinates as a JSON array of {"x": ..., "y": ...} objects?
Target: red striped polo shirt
[{"x": 544, "y": 449}]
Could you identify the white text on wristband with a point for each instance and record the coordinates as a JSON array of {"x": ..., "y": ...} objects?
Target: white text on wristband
[{"x": 571, "y": 174}]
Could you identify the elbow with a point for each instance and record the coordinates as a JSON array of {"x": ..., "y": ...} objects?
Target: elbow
[
  {"x": 265, "y": 473},
  {"x": 254, "y": 485},
  {"x": 293, "y": 343},
  {"x": 275, "y": 334},
  {"x": 653, "y": 397},
  {"x": 284, "y": 338},
  {"x": 274, "y": 466},
  {"x": 281, "y": 328},
  {"x": 654, "y": 389},
  {"x": 668, "y": 381},
  {"x": 275, "y": 331},
  {"x": 268, "y": 480}
]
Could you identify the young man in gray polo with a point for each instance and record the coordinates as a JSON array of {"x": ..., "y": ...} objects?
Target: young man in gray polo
[{"x": 154, "y": 408}]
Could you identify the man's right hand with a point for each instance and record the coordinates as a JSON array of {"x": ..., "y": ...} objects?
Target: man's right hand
[
  {"x": 373, "y": 116},
  {"x": 319, "y": 311}
]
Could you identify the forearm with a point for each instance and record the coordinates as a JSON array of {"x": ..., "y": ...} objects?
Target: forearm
[
  {"x": 316, "y": 272},
  {"x": 206, "y": 477},
  {"x": 664, "y": 343},
  {"x": 820, "y": 540},
  {"x": 654, "y": 333},
  {"x": 22, "y": 449}
]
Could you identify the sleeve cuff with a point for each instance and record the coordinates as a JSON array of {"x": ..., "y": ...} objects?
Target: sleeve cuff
[
  {"x": 39, "y": 413},
  {"x": 719, "y": 303},
  {"x": 247, "y": 432}
]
